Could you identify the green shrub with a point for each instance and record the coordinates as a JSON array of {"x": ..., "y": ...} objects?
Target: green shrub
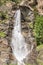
[
  {"x": 39, "y": 47},
  {"x": 3, "y": 2},
  {"x": 4, "y": 15},
  {"x": 38, "y": 29},
  {"x": 17, "y": 1},
  {"x": 2, "y": 34},
  {"x": 40, "y": 62}
]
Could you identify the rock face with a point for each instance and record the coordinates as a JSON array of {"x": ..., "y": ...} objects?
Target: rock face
[
  {"x": 4, "y": 46},
  {"x": 28, "y": 33},
  {"x": 27, "y": 21},
  {"x": 37, "y": 3},
  {"x": 27, "y": 13},
  {"x": 4, "y": 51},
  {"x": 40, "y": 7},
  {"x": 28, "y": 2},
  {"x": 6, "y": 56}
]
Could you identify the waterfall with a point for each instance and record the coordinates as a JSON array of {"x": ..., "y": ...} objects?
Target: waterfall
[{"x": 18, "y": 44}]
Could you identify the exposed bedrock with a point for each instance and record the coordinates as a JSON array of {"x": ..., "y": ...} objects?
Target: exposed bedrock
[{"x": 27, "y": 20}]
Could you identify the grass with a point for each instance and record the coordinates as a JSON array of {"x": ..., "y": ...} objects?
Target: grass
[
  {"x": 40, "y": 62},
  {"x": 30, "y": 25},
  {"x": 39, "y": 47},
  {"x": 2, "y": 34},
  {"x": 17, "y": 64},
  {"x": 16, "y": 1}
]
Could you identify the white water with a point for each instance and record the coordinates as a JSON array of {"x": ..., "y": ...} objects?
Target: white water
[{"x": 18, "y": 44}]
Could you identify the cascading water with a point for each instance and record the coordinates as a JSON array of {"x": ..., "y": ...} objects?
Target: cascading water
[{"x": 18, "y": 44}]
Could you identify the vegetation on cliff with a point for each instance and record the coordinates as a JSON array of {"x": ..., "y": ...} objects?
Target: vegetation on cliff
[{"x": 37, "y": 30}]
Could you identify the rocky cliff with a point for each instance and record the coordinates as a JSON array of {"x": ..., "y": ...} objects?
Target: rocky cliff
[{"x": 6, "y": 27}]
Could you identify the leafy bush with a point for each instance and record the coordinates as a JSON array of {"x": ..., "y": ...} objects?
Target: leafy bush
[
  {"x": 16, "y": 1},
  {"x": 38, "y": 29},
  {"x": 39, "y": 47},
  {"x": 4, "y": 15},
  {"x": 3, "y": 2},
  {"x": 2, "y": 34}
]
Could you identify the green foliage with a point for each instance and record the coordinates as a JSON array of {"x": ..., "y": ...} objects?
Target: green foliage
[
  {"x": 28, "y": 64},
  {"x": 2, "y": 34},
  {"x": 13, "y": 64},
  {"x": 39, "y": 47},
  {"x": 4, "y": 15},
  {"x": 40, "y": 62},
  {"x": 38, "y": 29},
  {"x": 31, "y": 25},
  {"x": 3, "y": 2},
  {"x": 17, "y": 1}
]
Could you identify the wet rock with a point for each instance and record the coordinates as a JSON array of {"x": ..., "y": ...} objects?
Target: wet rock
[
  {"x": 28, "y": 34},
  {"x": 26, "y": 13}
]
